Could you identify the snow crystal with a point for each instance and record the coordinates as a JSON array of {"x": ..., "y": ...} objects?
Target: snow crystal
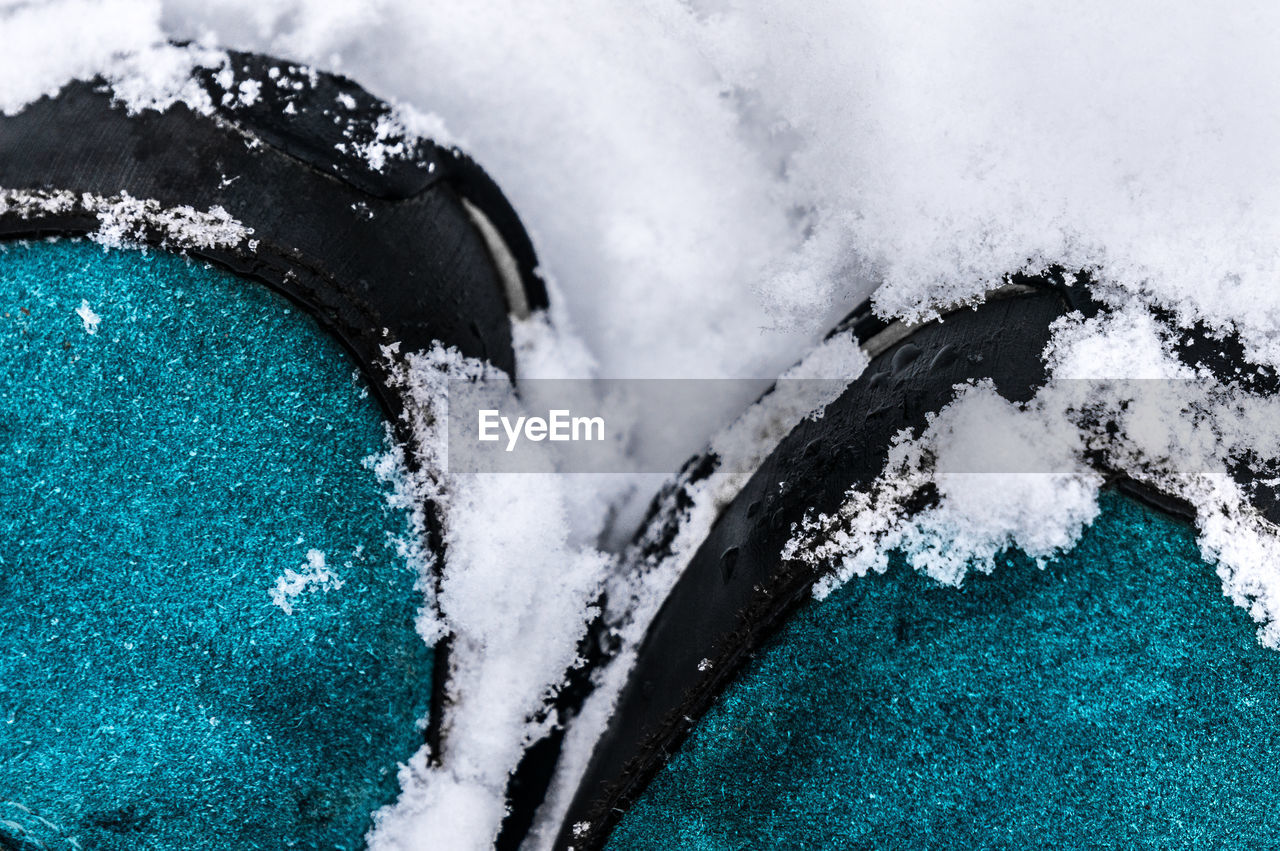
[
  {"x": 160, "y": 76},
  {"x": 248, "y": 92},
  {"x": 314, "y": 576},
  {"x": 125, "y": 221},
  {"x": 90, "y": 319}
]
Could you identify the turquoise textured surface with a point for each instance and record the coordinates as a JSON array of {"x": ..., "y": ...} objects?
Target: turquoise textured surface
[
  {"x": 1114, "y": 699},
  {"x": 158, "y": 479}
]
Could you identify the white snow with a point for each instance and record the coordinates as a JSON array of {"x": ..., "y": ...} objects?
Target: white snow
[
  {"x": 1011, "y": 475},
  {"x": 315, "y": 575},
  {"x": 508, "y": 597},
  {"x": 710, "y": 184},
  {"x": 1004, "y": 475},
  {"x": 124, "y": 221},
  {"x": 248, "y": 92},
  {"x": 650, "y": 203},
  {"x": 90, "y": 319},
  {"x": 514, "y": 598},
  {"x": 47, "y": 44},
  {"x": 159, "y": 76}
]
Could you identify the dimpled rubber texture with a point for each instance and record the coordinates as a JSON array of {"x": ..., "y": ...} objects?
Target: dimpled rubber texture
[
  {"x": 158, "y": 477},
  {"x": 1114, "y": 699}
]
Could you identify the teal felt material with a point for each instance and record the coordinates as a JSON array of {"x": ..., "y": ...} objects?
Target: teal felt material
[
  {"x": 158, "y": 478},
  {"x": 1114, "y": 699}
]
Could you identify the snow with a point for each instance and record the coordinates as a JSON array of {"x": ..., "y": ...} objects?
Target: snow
[
  {"x": 1009, "y": 475},
  {"x": 45, "y": 45},
  {"x": 514, "y": 597},
  {"x": 636, "y": 593},
  {"x": 159, "y": 76},
  {"x": 635, "y": 186},
  {"x": 1004, "y": 476},
  {"x": 711, "y": 203},
  {"x": 950, "y": 145},
  {"x": 90, "y": 319},
  {"x": 124, "y": 221},
  {"x": 314, "y": 576},
  {"x": 710, "y": 185}
]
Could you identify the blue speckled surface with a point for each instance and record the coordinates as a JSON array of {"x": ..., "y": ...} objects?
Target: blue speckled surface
[
  {"x": 1115, "y": 699},
  {"x": 157, "y": 478}
]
